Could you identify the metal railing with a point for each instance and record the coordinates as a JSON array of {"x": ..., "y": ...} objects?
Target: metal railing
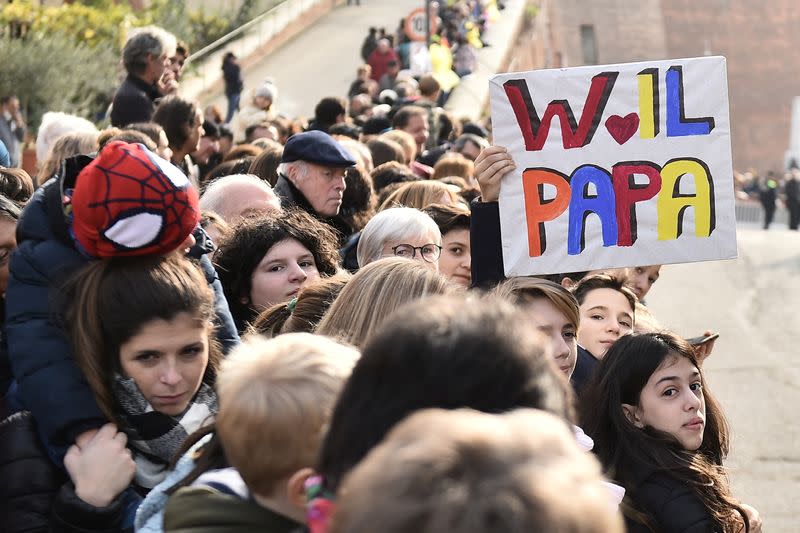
[
  {"x": 204, "y": 66},
  {"x": 751, "y": 212}
]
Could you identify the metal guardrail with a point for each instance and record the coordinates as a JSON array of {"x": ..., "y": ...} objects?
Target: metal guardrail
[
  {"x": 205, "y": 64},
  {"x": 753, "y": 213},
  {"x": 201, "y": 54}
]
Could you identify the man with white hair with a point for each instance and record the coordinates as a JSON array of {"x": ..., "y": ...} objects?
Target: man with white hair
[
  {"x": 146, "y": 56},
  {"x": 312, "y": 172},
  {"x": 237, "y": 196}
]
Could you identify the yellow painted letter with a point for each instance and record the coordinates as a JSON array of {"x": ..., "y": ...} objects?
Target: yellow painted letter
[
  {"x": 672, "y": 204},
  {"x": 649, "y": 118}
]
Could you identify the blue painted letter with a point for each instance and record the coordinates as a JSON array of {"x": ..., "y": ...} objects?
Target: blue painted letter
[
  {"x": 581, "y": 205},
  {"x": 677, "y": 123}
]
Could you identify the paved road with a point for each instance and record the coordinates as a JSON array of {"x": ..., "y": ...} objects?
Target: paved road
[
  {"x": 322, "y": 60},
  {"x": 755, "y": 368}
]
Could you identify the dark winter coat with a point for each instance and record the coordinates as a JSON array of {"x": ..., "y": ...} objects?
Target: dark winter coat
[
  {"x": 585, "y": 368},
  {"x": 486, "y": 246},
  {"x": 232, "y": 74},
  {"x": 671, "y": 504},
  {"x": 205, "y": 510},
  {"x": 134, "y": 101},
  {"x": 35, "y": 495}
]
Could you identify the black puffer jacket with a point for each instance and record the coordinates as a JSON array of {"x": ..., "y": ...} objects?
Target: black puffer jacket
[
  {"x": 30, "y": 481},
  {"x": 36, "y": 496},
  {"x": 670, "y": 503}
]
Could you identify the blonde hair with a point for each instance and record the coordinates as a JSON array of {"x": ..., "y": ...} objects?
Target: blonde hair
[
  {"x": 472, "y": 472},
  {"x": 406, "y": 142},
  {"x": 524, "y": 290},
  {"x": 453, "y": 164},
  {"x": 275, "y": 399},
  {"x": 374, "y": 292},
  {"x": 419, "y": 194}
]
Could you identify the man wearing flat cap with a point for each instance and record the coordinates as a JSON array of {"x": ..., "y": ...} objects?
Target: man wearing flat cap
[{"x": 311, "y": 175}]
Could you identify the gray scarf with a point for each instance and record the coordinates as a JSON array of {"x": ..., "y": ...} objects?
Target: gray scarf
[{"x": 154, "y": 437}]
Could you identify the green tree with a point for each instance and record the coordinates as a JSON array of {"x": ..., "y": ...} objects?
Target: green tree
[{"x": 58, "y": 74}]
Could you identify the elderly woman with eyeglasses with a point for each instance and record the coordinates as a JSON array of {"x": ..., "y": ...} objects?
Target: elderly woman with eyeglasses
[{"x": 401, "y": 232}]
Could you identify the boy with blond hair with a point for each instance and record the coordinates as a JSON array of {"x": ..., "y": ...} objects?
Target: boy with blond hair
[{"x": 275, "y": 399}]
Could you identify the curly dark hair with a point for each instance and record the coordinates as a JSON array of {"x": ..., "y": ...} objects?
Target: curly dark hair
[
  {"x": 176, "y": 115},
  {"x": 243, "y": 249}
]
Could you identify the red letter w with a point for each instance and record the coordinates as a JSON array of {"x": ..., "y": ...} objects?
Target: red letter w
[{"x": 573, "y": 135}]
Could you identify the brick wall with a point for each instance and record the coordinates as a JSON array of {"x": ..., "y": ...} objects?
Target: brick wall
[{"x": 761, "y": 40}]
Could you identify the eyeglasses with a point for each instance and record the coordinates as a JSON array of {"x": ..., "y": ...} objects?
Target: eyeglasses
[{"x": 429, "y": 252}]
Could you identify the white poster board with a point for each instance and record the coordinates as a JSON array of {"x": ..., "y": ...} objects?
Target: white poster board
[{"x": 617, "y": 165}]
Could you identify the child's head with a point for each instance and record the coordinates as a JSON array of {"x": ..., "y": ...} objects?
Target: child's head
[
  {"x": 149, "y": 319},
  {"x": 553, "y": 311},
  {"x": 275, "y": 400},
  {"x": 607, "y": 309},
  {"x": 446, "y": 352},
  {"x": 455, "y": 261},
  {"x": 477, "y": 473}
]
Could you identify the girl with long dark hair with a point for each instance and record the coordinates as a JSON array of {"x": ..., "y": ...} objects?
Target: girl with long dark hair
[{"x": 661, "y": 434}]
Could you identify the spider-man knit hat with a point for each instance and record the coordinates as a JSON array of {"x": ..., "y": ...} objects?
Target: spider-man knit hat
[{"x": 129, "y": 201}]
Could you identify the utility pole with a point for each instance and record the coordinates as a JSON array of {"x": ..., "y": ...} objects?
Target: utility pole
[{"x": 427, "y": 23}]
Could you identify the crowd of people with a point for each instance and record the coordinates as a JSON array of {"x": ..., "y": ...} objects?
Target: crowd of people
[
  {"x": 247, "y": 323},
  {"x": 771, "y": 191}
]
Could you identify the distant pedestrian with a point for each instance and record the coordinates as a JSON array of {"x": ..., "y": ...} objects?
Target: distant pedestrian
[
  {"x": 370, "y": 43},
  {"x": 232, "y": 73},
  {"x": 768, "y": 195},
  {"x": 12, "y": 128},
  {"x": 380, "y": 58},
  {"x": 791, "y": 191}
]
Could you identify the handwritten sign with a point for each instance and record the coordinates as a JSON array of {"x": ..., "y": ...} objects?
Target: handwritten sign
[{"x": 617, "y": 165}]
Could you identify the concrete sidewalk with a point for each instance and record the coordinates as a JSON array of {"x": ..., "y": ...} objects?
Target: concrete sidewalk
[{"x": 322, "y": 60}]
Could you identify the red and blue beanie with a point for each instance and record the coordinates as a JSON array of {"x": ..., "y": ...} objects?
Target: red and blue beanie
[{"x": 129, "y": 201}]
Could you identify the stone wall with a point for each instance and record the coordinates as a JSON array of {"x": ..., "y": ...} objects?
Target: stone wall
[{"x": 760, "y": 40}]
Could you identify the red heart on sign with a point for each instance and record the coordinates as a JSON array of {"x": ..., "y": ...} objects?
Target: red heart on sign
[{"x": 622, "y": 128}]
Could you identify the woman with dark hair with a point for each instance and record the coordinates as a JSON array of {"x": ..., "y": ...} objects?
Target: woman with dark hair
[
  {"x": 267, "y": 259},
  {"x": 141, "y": 330},
  {"x": 661, "y": 434},
  {"x": 16, "y": 184},
  {"x": 182, "y": 121}
]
